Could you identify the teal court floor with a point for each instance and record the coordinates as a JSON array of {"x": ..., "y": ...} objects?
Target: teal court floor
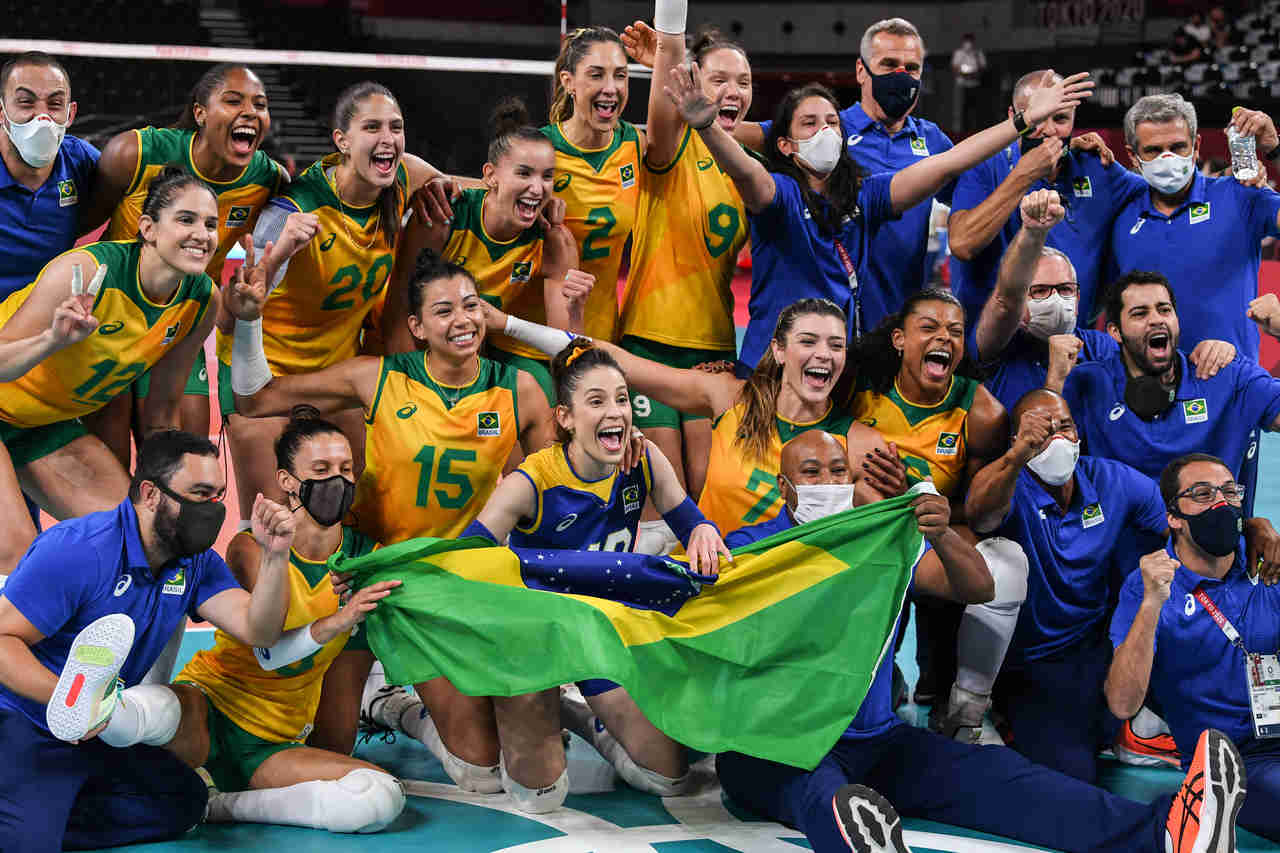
[{"x": 603, "y": 815}]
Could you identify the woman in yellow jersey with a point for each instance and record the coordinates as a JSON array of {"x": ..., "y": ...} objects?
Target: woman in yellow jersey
[
  {"x": 440, "y": 426},
  {"x": 154, "y": 306},
  {"x": 329, "y": 244},
  {"x": 690, "y": 228},
  {"x": 502, "y": 233},
  {"x": 217, "y": 138},
  {"x": 244, "y": 713},
  {"x": 790, "y": 391},
  {"x": 598, "y": 158}
]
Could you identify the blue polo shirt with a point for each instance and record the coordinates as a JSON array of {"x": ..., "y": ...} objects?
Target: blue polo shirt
[
  {"x": 1208, "y": 249},
  {"x": 1215, "y": 415},
  {"x": 1093, "y": 194},
  {"x": 37, "y": 226},
  {"x": 1198, "y": 676},
  {"x": 875, "y": 716},
  {"x": 1024, "y": 365},
  {"x": 897, "y": 262},
  {"x": 1071, "y": 553},
  {"x": 85, "y": 568},
  {"x": 792, "y": 259}
]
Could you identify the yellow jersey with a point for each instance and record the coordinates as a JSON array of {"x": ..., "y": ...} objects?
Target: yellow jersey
[
  {"x": 508, "y": 274},
  {"x": 932, "y": 440},
  {"x": 313, "y": 317},
  {"x": 239, "y": 200},
  {"x": 601, "y": 192},
  {"x": 277, "y": 705},
  {"x": 741, "y": 491},
  {"x": 133, "y": 334},
  {"x": 433, "y": 452},
  {"x": 689, "y": 230}
]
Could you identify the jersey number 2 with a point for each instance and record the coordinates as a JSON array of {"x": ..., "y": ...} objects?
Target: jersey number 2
[
  {"x": 604, "y": 220},
  {"x": 444, "y": 477}
]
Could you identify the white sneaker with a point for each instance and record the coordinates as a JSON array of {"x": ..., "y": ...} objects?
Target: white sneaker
[{"x": 86, "y": 691}]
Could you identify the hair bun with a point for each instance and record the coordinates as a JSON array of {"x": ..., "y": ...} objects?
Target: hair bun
[
  {"x": 304, "y": 412},
  {"x": 508, "y": 115}
]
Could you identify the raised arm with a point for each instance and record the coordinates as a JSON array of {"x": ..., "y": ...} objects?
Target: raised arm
[
  {"x": 666, "y": 125},
  {"x": 986, "y": 431},
  {"x": 752, "y": 179},
  {"x": 420, "y": 232},
  {"x": 921, "y": 180},
  {"x": 1130, "y": 672},
  {"x": 72, "y": 322},
  {"x": 990, "y": 495},
  {"x": 1001, "y": 316}
]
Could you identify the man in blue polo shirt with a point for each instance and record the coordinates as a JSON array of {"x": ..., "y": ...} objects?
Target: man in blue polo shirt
[
  {"x": 1204, "y": 234},
  {"x": 45, "y": 176},
  {"x": 884, "y": 136},
  {"x": 1069, "y": 516},
  {"x": 151, "y": 560},
  {"x": 984, "y": 211},
  {"x": 881, "y": 764},
  {"x": 1198, "y": 631}
]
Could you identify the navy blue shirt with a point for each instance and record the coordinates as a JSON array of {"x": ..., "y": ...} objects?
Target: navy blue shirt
[
  {"x": 85, "y": 568},
  {"x": 792, "y": 259},
  {"x": 1024, "y": 365},
  {"x": 1217, "y": 415},
  {"x": 1208, "y": 249},
  {"x": 897, "y": 262},
  {"x": 1198, "y": 676},
  {"x": 875, "y": 716},
  {"x": 35, "y": 227},
  {"x": 1070, "y": 553},
  {"x": 1093, "y": 195}
]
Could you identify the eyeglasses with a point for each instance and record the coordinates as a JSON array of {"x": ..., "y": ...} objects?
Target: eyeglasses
[
  {"x": 1202, "y": 493},
  {"x": 1068, "y": 289}
]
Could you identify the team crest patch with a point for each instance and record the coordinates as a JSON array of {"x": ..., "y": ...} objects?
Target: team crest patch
[
  {"x": 488, "y": 424},
  {"x": 1091, "y": 516},
  {"x": 176, "y": 585},
  {"x": 1199, "y": 212},
  {"x": 521, "y": 271},
  {"x": 67, "y": 193},
  {"x": 948, "y": 444},
  {"x": 171, "y": 333},
  {"x": 627, "y": 173},
  {"x": 631, "y": 499},
  {"x": 919, "y": 147},
  {"x": 1195, "y": 411},
  {"x": 238, "y": 215},
  {"x": 1082, "y": 188}
]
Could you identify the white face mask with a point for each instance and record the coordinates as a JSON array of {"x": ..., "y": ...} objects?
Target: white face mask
[
  {"x": 1053, "y": 315},
  {"x": 1057, "y": 462},
  {"x": 815, "y": 502},
  {"x": 821, "y": 152},
  {"x": 1168, "y": 173},
  {"x": 37, "y": 140}
]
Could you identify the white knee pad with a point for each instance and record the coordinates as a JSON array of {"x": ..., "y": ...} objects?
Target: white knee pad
[
  {"x": 363, "y": 801},
  {"x": 471, "y": 777},
  {"x": 655, "y": 537},
  {"x": 1007, "y": 563},
  {"x": 643, "y": 779},
  {"x": 147, "y": 713},
  {"x": 535, "y": 800}
]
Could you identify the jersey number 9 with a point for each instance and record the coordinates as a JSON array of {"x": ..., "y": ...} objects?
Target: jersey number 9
[{"x": 723, "y": 222}]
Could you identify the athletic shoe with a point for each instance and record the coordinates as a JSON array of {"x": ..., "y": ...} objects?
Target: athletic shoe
[
  {"x": 1145, "y": 741},
  {"x": 380, "y": 708},
  {"x": 1202, "y": 818},
  {"x": 926, "y": 692},
  {"x": 86, "y": 691},
  {"x": 961, "y": 719},
  {"x": 867, "y": 821}
]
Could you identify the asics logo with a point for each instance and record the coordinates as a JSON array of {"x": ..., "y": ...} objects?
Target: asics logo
[{"x": 122, "y": 586}]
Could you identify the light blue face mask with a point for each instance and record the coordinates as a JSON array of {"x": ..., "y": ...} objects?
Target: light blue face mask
[{"x": 1168, "y": 173}]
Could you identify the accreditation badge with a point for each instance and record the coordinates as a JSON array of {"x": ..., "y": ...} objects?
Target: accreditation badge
[{"x": 1262, "y": 673}]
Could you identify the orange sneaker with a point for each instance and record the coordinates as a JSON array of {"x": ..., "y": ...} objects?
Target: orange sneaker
[
  {"x": 1202, "y": 818},
  {"x": 1149, "y": 745}
]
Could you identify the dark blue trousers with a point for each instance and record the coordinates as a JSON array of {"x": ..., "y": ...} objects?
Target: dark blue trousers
[
  {"x": 1057, "y": 710},
  {"x": 1261, "y": 810},
  {"x": 987, "y": 788},
  {"x": 64, "y": 796}
]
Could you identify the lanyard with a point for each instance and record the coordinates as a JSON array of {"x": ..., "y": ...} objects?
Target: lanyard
[
  {"x": 1222, "y": 622},
  {"x": 847, "y": 263}
]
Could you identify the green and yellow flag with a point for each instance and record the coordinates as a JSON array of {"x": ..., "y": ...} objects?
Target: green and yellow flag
[{"x": 772, "y": 660}]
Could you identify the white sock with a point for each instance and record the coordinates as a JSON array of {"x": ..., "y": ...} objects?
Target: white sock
[
  {"x": 535, "y": 800},
  {"x": 986, "y": 629},
  {"x": 147, "y": 713},
  {"x": 364, "y": 800},
  {"x": 577, "y": 716}
]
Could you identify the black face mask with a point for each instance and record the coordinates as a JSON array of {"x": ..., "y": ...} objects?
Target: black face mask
[
  {"x": 1147, "y": 397},
  {"x": 895, "y": 92},
  {"x": 194, "y": 529},
  {"x": 327, "y": 500},
  {"x": 1217, "y": 530}
]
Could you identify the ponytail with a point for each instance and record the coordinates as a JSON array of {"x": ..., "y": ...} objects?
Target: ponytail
[
  {"x": 344, "y": 111},
  {"x": 572, "y": 50}
]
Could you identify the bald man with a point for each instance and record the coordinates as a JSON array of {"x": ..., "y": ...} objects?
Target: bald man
[{"x": 984, "y": 211}]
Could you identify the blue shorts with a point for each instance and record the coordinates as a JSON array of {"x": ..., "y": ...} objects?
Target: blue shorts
[{"x": 596, "y": 686}]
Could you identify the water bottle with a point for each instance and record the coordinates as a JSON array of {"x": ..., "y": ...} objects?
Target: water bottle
[{"x": 1244, "y": 153}]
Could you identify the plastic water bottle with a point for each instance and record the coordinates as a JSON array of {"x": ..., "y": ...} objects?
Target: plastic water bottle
[{"x": 1244, "y": 153}]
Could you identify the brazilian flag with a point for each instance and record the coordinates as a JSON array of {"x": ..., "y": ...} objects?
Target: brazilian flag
[{"x": 773, "y": 659}]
